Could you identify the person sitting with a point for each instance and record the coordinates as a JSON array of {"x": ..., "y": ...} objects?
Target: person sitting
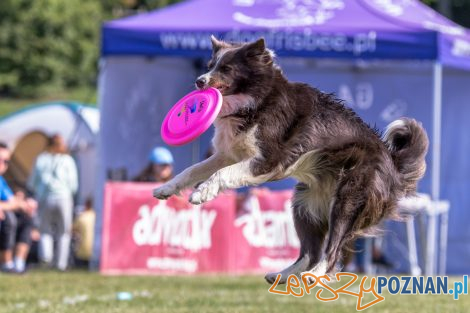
[
  {"x": 15, "y": 221},
  {"x": 24, "y": 232},
  {"x": 83, "y": 231},
  {"x": 160, "y": 167}
]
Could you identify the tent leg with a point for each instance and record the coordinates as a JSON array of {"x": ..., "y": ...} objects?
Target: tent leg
[
  {"x": 443, "y": 243},
  {"x": 436, "y": 162},
  {"x": 415, "y": 270}
]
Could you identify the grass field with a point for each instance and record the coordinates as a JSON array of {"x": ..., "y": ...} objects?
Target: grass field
[{"x": 89, "y": 292}]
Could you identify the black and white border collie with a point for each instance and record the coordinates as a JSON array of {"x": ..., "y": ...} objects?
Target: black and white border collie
[{"x": 269, "y": 128}]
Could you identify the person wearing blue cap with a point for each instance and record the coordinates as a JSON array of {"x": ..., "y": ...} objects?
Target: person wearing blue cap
[{"x": 160, "y": 167}]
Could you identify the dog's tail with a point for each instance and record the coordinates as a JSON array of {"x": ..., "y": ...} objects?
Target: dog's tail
[{"x": 408, "y": 144}]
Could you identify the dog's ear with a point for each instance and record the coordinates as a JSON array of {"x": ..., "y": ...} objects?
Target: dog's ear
[
  {"x": 216, "y": 44},
  {"x": 255, "y": 48},
  {"x": 258, "y": 50}
]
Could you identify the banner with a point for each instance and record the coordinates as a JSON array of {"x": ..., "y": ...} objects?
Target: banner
[
  {"x": 264, "y": 232},
  {"x": 144, "y": 235}
]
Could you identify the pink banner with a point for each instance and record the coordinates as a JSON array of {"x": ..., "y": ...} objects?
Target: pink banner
[
  {"x": 264, "y": 232},
  {"x": 145, "y": 235}
]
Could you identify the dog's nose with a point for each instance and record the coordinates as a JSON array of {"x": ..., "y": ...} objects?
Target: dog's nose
[{"x": 201, "y": 82}]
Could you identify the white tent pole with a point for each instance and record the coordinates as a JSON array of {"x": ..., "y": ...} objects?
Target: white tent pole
[
  {"x": 436, "y": 132},
  {"x": 436, "y": 170},
  {"x": 443, "y": 243}
]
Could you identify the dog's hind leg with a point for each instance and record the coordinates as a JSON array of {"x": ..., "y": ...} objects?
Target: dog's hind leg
[
  {"x": 358, "y": 205},
  {"x": 311, "y": 229}
]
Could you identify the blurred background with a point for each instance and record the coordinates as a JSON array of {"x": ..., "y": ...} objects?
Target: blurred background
[{"x": 84, "y": 87}]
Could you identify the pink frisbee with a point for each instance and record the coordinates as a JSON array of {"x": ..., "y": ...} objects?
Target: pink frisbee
[{"x": 191, "y": 116}]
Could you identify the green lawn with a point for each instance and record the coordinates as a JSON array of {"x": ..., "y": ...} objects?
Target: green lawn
[{"x": 88, "y": 293}]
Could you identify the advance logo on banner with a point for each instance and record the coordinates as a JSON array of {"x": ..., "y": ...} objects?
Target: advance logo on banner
[
  {"x": 270, "y": 234},
  {"x": 268, "y": 229},
  {"x": 163, "y": 225}
]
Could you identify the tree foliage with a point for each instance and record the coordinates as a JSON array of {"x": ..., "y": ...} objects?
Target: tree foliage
[
  {"x": 51, "y": 43},
  {"x": 48, "y": 45},
  {"x": 457, "y": 10}
]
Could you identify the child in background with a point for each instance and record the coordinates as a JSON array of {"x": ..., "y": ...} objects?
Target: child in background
[{"x": 83, "y": 231}]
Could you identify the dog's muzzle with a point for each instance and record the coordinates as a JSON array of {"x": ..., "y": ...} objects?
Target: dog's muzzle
[{"x": 202, "y": 82}]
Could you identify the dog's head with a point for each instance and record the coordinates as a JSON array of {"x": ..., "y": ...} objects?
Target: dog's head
[{"x": 235, "y": 68}]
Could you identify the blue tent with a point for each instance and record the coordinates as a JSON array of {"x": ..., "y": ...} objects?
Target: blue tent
[{"x": 385, "y": 58}]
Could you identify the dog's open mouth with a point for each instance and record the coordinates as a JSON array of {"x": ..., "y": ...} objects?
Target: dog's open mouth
[{"x": 220, "y": 87}]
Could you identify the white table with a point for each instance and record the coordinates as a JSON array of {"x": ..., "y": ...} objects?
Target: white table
[{"x": 429, "y": 213}]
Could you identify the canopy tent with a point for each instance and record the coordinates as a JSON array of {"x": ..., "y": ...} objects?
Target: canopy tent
[
  {"x": 377, "y": 29},
  {"x": 385, "y": 57},
  {"x": 26, "y": 133}
]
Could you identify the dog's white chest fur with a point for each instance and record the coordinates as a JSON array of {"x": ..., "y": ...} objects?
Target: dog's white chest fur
[
  {"x": 227, "y": 140},
  {"x": 234, "y": 145},
  {"x": 233, "y": 103},
  {"x": 318, "y": 197}
]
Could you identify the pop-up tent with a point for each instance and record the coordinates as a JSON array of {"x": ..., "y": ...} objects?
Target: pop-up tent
[
  {"x": 385, "y": 58},
  {"x": 26, "y": 133},
  {"x": 346, "y": 29}
]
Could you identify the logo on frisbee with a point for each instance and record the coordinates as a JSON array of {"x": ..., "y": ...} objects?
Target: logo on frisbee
[
  {"x": 190, "y": 108},
  {"x": 186, "y": 106}
]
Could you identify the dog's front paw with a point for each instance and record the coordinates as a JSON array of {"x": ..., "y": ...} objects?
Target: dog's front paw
[
  {"x": 205, "y": 192},
  {"x": 165, "y": 191}
]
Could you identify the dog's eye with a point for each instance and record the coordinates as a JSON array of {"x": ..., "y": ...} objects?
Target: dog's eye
[
  {"x": 225, "y": 68},
  {"x": 210, "y": 65}
]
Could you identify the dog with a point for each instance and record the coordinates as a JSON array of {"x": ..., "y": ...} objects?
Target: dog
[{"x": 350, "y": 177}]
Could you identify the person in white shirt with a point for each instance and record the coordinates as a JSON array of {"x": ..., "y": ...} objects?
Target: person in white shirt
[{"x": 54, "y": 181}]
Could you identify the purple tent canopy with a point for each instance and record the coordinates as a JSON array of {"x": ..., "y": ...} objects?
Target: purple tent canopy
[{"x": 375, "y": 29}]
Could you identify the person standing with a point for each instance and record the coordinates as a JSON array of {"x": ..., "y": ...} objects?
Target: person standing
[{"x": 55, "y": 181}]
